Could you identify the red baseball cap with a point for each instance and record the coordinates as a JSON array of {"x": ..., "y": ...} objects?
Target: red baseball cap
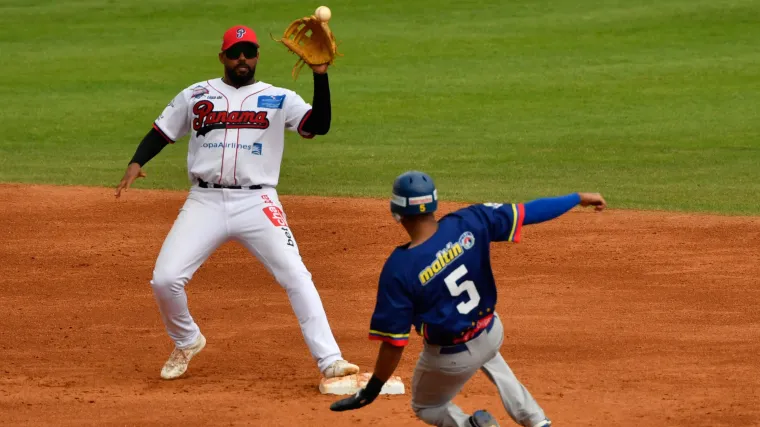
[{"x": 238, "y": 34}]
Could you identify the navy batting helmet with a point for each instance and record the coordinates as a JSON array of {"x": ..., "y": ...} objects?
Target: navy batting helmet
[{"x": 414, "y": 193}]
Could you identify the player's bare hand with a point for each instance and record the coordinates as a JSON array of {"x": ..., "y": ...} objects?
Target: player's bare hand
[
  {"x": 593, "y": 199},
  {"x": 133, "y": 172},
  {"x": 319, "y": 69}
]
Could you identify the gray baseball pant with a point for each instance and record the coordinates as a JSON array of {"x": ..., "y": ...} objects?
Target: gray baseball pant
[{"x": 438, "y": 378}]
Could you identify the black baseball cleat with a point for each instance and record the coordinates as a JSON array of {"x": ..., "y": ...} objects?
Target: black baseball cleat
[{"x": 483, "y": 419}]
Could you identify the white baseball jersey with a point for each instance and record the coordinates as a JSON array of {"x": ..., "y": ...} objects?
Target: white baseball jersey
[{"x": 236, "y": 135}]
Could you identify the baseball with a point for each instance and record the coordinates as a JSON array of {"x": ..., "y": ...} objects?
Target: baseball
[{"x": 323, "y": 13}]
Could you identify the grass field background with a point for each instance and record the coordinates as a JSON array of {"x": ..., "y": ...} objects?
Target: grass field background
[{"x": 652, "y": 102}]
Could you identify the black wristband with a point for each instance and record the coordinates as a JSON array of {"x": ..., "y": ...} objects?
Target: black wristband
[{"x": 374, "y": 385}]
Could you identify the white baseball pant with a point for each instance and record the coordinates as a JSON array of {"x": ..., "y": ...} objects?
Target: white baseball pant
[{"x": 255, "y": 218}]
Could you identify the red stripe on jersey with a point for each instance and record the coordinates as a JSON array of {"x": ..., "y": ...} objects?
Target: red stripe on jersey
[
  {"x": 224, "y": 144},
  {"x": 163, "y": 134},
  {"x": 396, "y": 342},
  {"x": 237, "y": 145},
  {"x": 520, "y": 219},
  {"x": 300, "y": 126}
]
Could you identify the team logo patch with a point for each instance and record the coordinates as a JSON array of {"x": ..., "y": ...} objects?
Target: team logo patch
[
  {"x": 467, "y": 240},
  {"x": 257, "y": 148},
  {"x": 199, "y": 91},
  {"x": 271, "y": 101},
  {"x": 240, "y": 33},
  {"x": 276, "y": 216}
]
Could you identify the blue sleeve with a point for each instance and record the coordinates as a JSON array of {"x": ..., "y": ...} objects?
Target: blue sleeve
[
  {"x": 503, "y": 221},
  {"x": 545, "y": 209},
  {"x": 394, "y": 310}
]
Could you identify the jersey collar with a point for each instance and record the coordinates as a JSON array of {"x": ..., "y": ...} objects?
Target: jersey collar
[{"x": 256, "y": 86}]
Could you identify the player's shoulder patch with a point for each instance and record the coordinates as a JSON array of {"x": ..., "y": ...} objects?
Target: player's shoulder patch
[{"x": 197, "y": 90}]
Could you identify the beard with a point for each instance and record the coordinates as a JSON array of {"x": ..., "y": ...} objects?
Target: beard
[{"x": 239, "y": 75}]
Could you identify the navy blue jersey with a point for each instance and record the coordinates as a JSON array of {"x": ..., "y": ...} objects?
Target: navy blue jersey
[{"x": 444, "y": 287}]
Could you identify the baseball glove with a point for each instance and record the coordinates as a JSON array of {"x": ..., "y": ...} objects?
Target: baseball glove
[{"x": 313, "y": 42}]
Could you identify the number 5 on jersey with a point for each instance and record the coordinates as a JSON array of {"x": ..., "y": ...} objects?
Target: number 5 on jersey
[{"x": 457, "y": 289}]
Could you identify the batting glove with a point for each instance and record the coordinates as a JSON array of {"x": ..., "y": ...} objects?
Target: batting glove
[{"x": 362, "y": 397}]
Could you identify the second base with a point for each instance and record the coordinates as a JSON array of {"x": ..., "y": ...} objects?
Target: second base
[{"x": 352, "y": 383}]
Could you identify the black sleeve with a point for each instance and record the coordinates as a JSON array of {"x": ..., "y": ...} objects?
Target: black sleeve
[
  {"x": 318, "y": 122},
  {"x": 150, "y": 146}
]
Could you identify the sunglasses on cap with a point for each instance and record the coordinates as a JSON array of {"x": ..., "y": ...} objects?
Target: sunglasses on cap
[{"x": 248, "y": 49}]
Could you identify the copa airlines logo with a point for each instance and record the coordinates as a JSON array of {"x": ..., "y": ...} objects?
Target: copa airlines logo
[
  {"x": 446, "y": 256},
  {"x": 206, "y": 119}
]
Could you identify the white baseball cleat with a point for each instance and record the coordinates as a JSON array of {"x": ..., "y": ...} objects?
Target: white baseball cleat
[
  {"x": 180, "y": 357},
  {"x": 340, "y": 368}
]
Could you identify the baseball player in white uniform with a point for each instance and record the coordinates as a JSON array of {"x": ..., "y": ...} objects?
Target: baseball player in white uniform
[{"x": 236, "y": 126}]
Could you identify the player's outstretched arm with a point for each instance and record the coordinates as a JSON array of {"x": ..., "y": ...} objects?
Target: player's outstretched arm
[
  {"x": 150, "y": 146},
  {"x": 505, "y": 221},
  {"x": 387, "y": 362},
  {"x": 546, "y": 209}
]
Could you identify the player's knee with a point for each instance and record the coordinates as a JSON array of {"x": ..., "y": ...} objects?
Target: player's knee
[
  {"x": 293, "y": 278},
  {"x": 432, "y": 416},
  {"x": 166, "y": 281}
]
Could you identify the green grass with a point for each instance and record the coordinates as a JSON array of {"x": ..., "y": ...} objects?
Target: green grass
[{"x": 652, "y": 102}]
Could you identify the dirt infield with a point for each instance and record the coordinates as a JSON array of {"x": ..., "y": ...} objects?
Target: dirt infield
[{"x": 622, "y": 318}]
